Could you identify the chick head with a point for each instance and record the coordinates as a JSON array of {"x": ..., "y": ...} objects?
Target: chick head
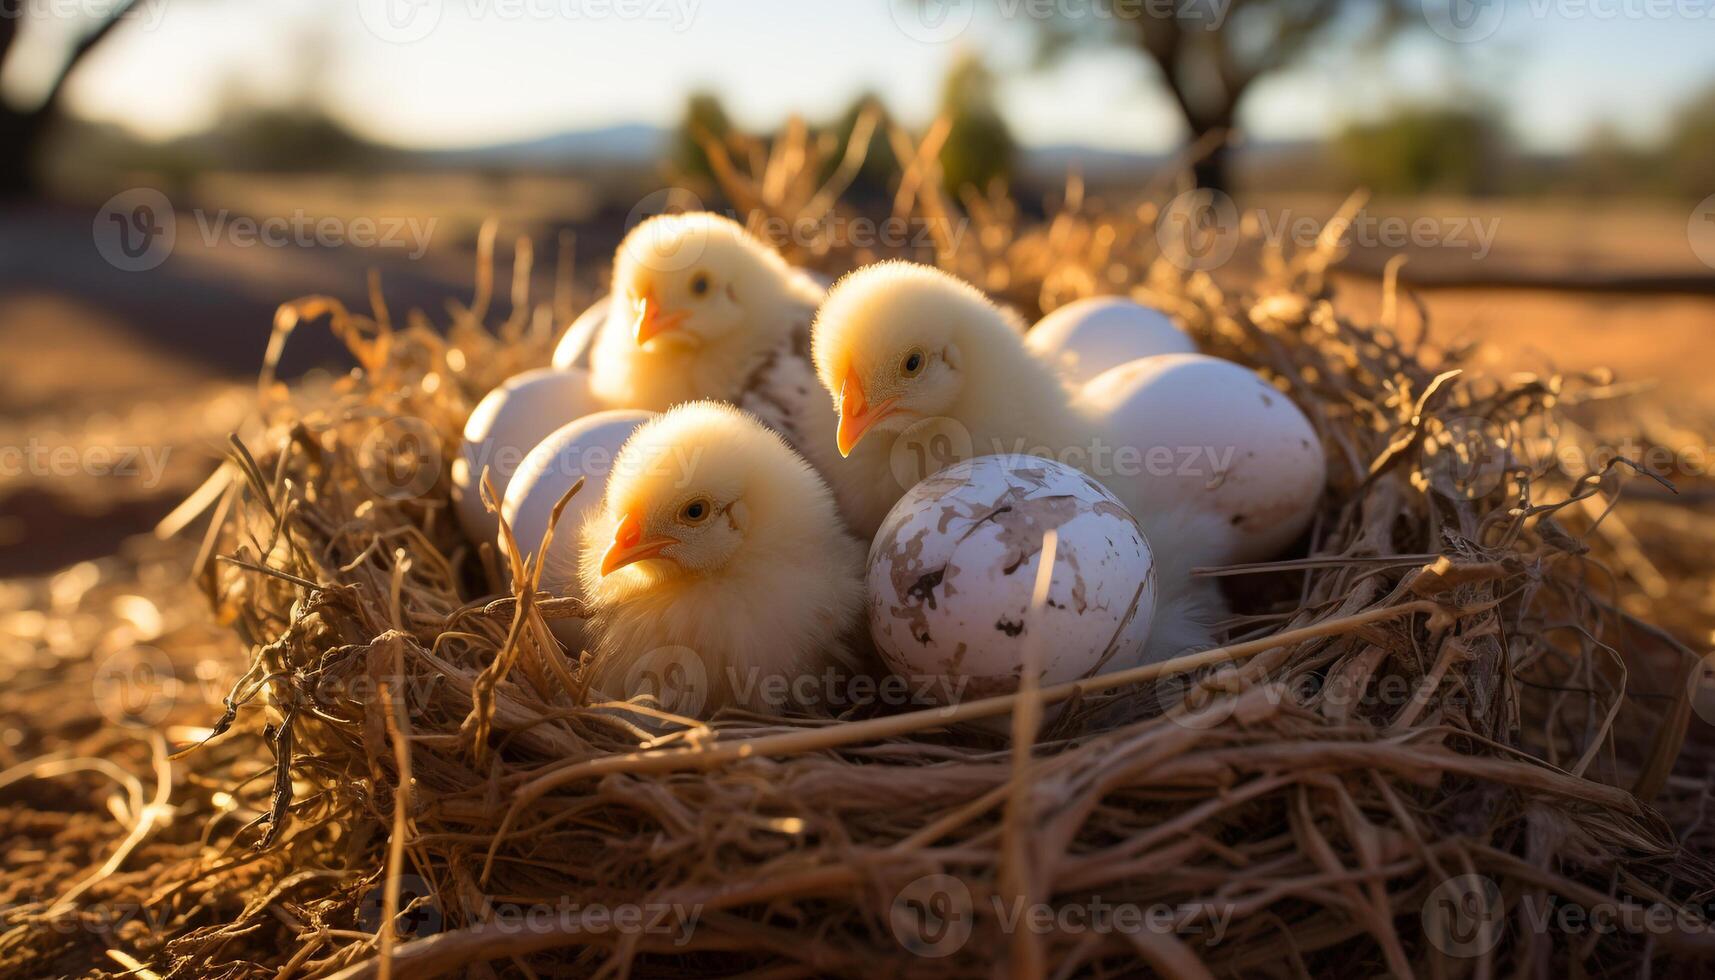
[
  {"x": 689, "y": 280},
  {"x": 890, "y": 345},
  {"x": 694, "y": 490}
]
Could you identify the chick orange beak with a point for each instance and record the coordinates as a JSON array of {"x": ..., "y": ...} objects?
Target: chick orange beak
[
  {"x": 629, "y": 546},
  {"x": 856, "y": 414},
  {"x": 651, "y": 320}
]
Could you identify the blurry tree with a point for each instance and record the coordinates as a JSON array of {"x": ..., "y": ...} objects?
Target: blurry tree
[
  {"x": 704, "y": 115},
  {"x": 1608, "y": 164},
  {"x": 281, "y": 139},
  {"x": 1211, "y": 53},
  {"x": 1418, "y": 149},
  {"x": 979, "y": 147},
  {"x": 283, "y": 128},
  {"x": 1690, "y": 155},
  {"x": 880, "y": 168},
  {"x": 23, "y": 129}
]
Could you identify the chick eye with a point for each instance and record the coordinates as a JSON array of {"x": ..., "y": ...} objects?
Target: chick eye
[
  {"x": 700, "y": 284},
  {"x": 696, "y": 511},
  {"x": 912, "y": 366}
]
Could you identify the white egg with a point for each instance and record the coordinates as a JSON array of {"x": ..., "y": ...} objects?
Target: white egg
[
  {"x": 1088, "y": 336},
  {"x": 1213, "y": 436},
  {"x": 501, "y": 431},
  {"x": 573, "y": 349},
  {"x": 952, "y": 569},
  {"x": 585, "y": 448}
]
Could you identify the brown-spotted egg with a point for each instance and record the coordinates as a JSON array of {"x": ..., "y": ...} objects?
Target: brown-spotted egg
[{"x": 953, "y": 566}]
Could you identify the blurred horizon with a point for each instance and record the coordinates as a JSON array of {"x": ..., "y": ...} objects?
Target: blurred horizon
[{"x": 1556, "y": 75}]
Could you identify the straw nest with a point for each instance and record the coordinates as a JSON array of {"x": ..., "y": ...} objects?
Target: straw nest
[{"x": 1416, "y": 746}]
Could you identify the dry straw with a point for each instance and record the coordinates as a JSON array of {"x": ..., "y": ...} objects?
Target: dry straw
[{"x": 1438, "y": 691}]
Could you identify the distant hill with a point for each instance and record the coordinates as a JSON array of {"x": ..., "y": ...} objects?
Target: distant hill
[
  {"x": 1257, "y": 164},
  {"x": 1052, "y": 160},
  {"x": 631, "y": 142},
  {"x": 640, "y": 143}
]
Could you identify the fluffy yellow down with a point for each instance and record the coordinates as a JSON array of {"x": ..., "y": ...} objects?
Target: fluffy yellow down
[
  {"x": 766, "y": 584},
  {"x": 736, "y": 298}
]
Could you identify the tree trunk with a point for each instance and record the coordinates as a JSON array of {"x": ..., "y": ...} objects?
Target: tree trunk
[
  {"x": 1211, "y": 132},
  {"x": 16, "y": 146},
  {"x": 22, "y": 131},
  {"x": 1213, "y": 171},
  {"x": 21, "y": 135}
]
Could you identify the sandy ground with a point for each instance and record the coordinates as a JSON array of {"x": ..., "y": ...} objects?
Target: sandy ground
[{"x": 1665, "y": 339}]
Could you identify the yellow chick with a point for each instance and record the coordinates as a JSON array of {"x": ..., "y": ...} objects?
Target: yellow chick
[
  {"x": 899, "y": 345},
  {"x": 717, "y": 553},
  {"x": 701, "y": 309}
]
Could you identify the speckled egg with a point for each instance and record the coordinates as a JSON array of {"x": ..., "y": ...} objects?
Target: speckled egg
[
  {"x": 1088, "y": 336},
  {"x": 952, "y": 568},
  {"x": 501, "y": 431}
]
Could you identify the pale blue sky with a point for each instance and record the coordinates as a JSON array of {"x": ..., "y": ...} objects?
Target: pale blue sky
[{"x": 492, "y": 70}]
